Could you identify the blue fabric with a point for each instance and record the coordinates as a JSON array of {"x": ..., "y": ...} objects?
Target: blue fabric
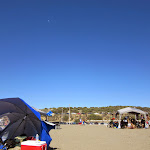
[
  {"x": 49, "y": 113},
  {"x": 2, "y": 147},
  {"x": 45, "y": 133}
]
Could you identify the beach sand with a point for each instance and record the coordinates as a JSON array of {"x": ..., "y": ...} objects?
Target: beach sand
[{"x": 96, "y": 137}]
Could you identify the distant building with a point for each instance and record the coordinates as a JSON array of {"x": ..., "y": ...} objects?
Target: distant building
[
  {"x": 96, "y": 113},
  {"x": 73, "y": 113}
]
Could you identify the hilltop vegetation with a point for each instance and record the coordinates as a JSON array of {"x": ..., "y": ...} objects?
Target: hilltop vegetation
[
  {"x": 84, "y": 113},
  {"x": 110, "y": 109}
]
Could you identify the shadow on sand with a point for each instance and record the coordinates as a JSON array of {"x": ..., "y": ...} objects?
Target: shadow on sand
[{"x": 52, "y": 148}]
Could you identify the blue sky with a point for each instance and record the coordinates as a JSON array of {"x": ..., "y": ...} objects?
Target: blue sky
[{"x": 84, "y": 53}]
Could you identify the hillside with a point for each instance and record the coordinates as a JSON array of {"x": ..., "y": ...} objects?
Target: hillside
[{"x": 110, "y": 109}]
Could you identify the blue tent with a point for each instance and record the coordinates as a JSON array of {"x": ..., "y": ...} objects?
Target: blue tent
[
  {"x": 46, "y": 127},
  {"x": 19, "y": 118}
]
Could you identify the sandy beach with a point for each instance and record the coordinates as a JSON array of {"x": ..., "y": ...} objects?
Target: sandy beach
[{"x": 94, "y": 137}]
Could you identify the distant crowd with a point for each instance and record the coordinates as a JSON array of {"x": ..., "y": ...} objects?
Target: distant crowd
[{"x": 131, "y": 123}]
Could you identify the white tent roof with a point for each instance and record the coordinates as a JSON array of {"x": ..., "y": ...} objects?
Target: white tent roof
[
  {"x": 130, "y": 110},
  {"x": 40, "y": 111}
]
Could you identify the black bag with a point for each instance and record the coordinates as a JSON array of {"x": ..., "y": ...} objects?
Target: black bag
[
  {"x": 1, "y": 142},
  {"x": 10, "y": 143}
]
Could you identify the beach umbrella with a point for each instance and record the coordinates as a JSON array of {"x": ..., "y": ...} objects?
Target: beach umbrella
[{"x": 18, "y": 118}]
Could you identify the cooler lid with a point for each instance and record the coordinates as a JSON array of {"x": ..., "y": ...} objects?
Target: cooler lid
[{"x": 33, "y": 143}]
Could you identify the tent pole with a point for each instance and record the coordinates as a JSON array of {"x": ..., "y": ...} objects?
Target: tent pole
[
  {"x": 69, "y": 114},
  {"x": 145, "y": 119},
  {"x": 62, "y": 115},
  {"x": 119, "y": 126}
]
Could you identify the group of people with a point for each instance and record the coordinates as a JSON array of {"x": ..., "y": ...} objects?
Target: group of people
[{"x": 131, "y": 123}]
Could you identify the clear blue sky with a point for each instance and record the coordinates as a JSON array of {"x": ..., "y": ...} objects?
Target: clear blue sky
[{"x": 79, "y": 52}]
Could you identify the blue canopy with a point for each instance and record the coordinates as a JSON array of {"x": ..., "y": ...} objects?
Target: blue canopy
[{"x": 19, "y": 118}]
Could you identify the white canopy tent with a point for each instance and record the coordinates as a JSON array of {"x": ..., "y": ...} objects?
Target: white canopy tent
[{"x": 130, "y": 110}]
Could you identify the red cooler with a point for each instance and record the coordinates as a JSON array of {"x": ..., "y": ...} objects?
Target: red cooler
[{"x": 33, "y": 145}]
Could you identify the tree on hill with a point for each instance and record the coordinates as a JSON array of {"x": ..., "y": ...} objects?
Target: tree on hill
[
  {"x": 65, "y": 118},
  {"x": 94, "y": 117}
]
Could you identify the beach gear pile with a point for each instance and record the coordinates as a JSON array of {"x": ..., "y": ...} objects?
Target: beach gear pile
[{"x": 18, "y": 118}]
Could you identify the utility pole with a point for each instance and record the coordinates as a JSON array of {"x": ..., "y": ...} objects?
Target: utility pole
[
  {"x": 69, "y": 114},
  {"x": 62, "y": 116}
]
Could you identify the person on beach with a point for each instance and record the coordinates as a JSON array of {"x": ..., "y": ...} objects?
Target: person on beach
[
  {"x": 125, "y": 122},
  {"x": 143, "y": 122},
  {"x": 147, "y": 117},
  {"x": 148, "y": 120}
]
